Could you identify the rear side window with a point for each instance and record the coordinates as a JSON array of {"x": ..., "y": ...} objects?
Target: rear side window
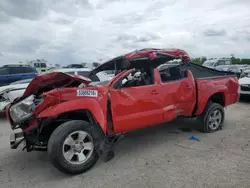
[
  {"x": 172, "y": 74},
  {"x": 4, "y": 71}
]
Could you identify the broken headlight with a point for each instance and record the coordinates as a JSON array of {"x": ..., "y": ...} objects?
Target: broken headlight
[{"x": 23, "y": 109}]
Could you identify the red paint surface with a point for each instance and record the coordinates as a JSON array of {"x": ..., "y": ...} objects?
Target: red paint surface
[
  {"x": 207, "y": 87},
  {"x": 152, "y": 54},
  {"x": 136, "y": 107},
  {"x": 67, "y": 100}
]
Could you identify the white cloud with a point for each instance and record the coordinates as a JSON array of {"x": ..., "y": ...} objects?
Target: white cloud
[{"x": 67, "y": 31}]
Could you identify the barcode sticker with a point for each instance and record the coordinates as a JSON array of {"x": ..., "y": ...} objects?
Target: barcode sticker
[{"x": 87, "y": 93}]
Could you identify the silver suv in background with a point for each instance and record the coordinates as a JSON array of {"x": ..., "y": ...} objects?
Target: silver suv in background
[{"x": 212, "y": 63}]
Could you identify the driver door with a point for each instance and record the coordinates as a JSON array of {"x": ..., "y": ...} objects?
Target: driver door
[{"x": 136, "y": 107}]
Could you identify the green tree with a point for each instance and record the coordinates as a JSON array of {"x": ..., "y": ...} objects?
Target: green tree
[
  {"x": 236, "y": 60},
  {"x": 245, "y": 61},
  {"x": 196, "y": 60}
]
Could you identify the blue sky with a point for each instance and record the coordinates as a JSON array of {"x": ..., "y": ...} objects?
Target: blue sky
[{"x": 73, "y": 31}]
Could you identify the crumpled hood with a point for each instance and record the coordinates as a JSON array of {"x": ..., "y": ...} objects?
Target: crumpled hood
[
  {"x": 49, "y": 81},
  {"x": 245, "y": 80}
]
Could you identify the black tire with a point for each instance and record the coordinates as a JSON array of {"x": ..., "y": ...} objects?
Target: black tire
[
  {"x": 203, "y": 120},
  {"x": 55, "y": 147}
]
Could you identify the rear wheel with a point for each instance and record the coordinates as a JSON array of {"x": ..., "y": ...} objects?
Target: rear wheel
[
  {"x": 212, "y": 118},
  {"x": 71, "y": 147}
]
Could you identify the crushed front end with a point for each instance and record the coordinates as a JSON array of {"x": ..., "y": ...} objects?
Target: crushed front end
[
  {"x": 24, "y": 124},
  {"x": 41, "y": 93}
]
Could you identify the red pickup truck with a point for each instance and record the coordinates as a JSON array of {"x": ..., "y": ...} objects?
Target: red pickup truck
[{"x": 77, "y": 121}]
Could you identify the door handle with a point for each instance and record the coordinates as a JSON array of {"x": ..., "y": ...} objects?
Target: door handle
[
  {"x": 154, "y": 92},
  {"x": 188, "y": 86}
]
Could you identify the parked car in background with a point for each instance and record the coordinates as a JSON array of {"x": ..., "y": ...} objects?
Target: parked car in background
[
  {"x": 91, "y": 65},
  {"x": 211, "y": 63},
  {"x": 222, "y": 67},
  {"x": 12, "y": 91},
  {"x": 237, "y": 69},
  {"x": 110, "y": 73},
  {"x": 41, "y": 67},
  {"x": 166, "y": 66},
  {"x": 12, "y": 73},
  {"x": 83, "y": 72},
  {"x": 244, "y": 81},
  {"x": 75, "y": 66}
]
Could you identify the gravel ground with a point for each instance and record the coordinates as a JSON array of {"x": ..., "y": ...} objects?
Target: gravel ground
[{"x": 160, "y": 156}]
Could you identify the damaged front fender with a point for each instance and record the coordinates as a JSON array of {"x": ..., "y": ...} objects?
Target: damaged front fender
[{"x": 91, "y": 105}]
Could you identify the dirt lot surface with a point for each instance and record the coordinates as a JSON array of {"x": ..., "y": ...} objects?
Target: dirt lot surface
[{"x": 160, "y": 156}]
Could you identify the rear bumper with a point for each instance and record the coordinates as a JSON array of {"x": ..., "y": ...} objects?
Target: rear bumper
[{"x": 16, "y": 138}]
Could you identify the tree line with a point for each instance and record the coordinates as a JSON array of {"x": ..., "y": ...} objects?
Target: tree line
[{"x": 201, "y": 60}]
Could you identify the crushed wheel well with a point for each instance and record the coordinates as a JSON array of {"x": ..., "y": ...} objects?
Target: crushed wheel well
[
  {"x": 218, "y": 98},
  {"x": 47, "y": 129}
]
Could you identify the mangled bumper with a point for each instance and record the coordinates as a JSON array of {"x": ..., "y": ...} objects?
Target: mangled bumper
[{"x": 16, "y": 138}]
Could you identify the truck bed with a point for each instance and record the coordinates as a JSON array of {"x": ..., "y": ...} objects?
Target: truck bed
[
  {"x": 201, "y": 72},
  {"x": 212, "y": 84}
]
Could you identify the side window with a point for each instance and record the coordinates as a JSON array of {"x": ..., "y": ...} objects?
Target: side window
[
  {"x": 4, "y": 71},
  {"x": 43, "y": 65},
  {"x": 221, "y": 62},
  {"x": 171, "y": 74},
  {"x": 17, "y": 70},
  {"x": 28, "y": 70}
]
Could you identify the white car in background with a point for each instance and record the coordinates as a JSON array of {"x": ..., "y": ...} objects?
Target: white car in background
[
  {"x": 12, "y": 91},
  {"x": 212, "y": 63},
  {"x": 244, "y": 81},
  {"x": 101, "y": 76}
]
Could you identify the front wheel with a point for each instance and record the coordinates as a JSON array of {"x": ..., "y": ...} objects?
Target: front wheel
[
  {"x": 212, "y": 118},
  {"x": 71, "y": 147}
]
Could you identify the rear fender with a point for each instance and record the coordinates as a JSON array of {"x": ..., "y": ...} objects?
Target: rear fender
[
  {"x": 82, "y": 104},
  {"x": 203, "y": 100}
]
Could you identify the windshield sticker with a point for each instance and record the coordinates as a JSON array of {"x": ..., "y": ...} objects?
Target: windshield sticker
[{"x": 87, "y": 93}]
